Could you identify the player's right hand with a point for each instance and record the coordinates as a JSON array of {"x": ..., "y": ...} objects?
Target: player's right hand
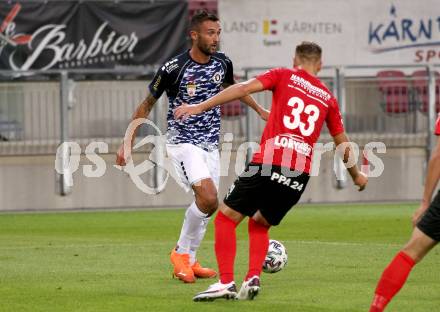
[
  {"x": 361, "y": 180},
  {"x": 185, "y": 110},
  {"x": 121, "y": 158},
  {"x": 264, "y": 114}
]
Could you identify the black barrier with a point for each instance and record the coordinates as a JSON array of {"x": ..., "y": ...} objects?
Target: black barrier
[{"x": 42, "y": 35}]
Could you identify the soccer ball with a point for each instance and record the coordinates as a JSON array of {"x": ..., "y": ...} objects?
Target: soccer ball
[{"x": 276, "y": 257}]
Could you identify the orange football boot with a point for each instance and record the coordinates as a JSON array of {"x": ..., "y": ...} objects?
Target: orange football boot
[
  {"x": 182, "y": 269},
  {"x": 201, "y": 272}
]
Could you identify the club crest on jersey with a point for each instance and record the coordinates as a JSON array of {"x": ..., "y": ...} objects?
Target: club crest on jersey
[
  {"x": 191, "y": 89},
  {"x": 217, "y": 77}
]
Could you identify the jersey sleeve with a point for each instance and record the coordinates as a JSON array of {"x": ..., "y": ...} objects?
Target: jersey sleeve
[
  {"x": 334, "y": 119},
  {"x": 229, "y": 75},
  {"x": 270, "y": 78},
  {"x": 159, "y": 83},
  {"x": 437, "y": 126}
]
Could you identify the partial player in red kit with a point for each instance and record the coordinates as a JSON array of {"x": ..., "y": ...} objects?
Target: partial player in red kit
[
  {"x": 278, "y": 174},
  {"x": 425, "y": 236}
]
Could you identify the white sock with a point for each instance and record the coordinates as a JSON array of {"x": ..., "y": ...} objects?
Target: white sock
[
  {"x": 195, "y": 243},
  {"x": 190, "y": 228}
]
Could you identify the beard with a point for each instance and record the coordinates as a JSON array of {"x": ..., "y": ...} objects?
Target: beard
[{"x": 207, "y": 49}]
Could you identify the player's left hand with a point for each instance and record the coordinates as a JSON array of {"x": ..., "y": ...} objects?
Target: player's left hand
[
  {"x": 185, "y": 110},
  {"x": 264, "y": 114},
  {"x": 361, "y": 180}
]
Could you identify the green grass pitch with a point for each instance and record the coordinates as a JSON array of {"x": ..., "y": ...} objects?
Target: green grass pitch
[{"x": 119, "y": 261}]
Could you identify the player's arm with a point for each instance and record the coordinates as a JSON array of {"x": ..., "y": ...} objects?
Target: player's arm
[
  {"x": 250, "y": 101},
  {"x": 431, "y": 181},
  {"x": 234, "y": 92},
  {"x": 142, "y": 111},
  {"x": 155, "y": 89},
  {"x": 344, "y": 146}
]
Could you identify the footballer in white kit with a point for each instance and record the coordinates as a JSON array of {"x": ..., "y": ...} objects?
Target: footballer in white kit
[{"x": 192, "y": 144}]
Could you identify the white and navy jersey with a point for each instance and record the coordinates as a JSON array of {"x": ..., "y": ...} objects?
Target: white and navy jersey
[{"x": 186, "y": 81}]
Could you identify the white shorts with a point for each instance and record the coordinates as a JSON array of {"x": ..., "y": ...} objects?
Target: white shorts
[{"x": 194, "y": 164}]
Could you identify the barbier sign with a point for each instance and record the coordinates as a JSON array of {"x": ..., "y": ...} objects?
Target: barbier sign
[{"x": 89, "y": 34}]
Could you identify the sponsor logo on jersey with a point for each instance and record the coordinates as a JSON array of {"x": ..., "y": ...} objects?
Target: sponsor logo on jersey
[
  {"x": 294, "y": 142},
  {"x": 191, "y": 89},
  {"x": 156, "y": 84},
  {"x": 170, "y": 66},
  {"x": 310, "y": 88}
]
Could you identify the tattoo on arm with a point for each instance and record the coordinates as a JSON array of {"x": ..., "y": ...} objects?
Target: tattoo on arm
[{"x": 148, "y": 104}]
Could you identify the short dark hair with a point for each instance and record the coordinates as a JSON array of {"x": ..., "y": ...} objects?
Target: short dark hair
[
  {"x": 308, "y": 51},
  {"x": 200, "y": 17}
]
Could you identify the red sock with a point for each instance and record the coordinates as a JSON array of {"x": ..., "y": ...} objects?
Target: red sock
[
  {"x": 391, "y": 281},
  {"x": 225, "y": 246},
  {"x": 258, "y": 245}
]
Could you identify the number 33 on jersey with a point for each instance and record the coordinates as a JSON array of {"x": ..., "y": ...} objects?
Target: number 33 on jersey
[{"x": 300, "y": 106}]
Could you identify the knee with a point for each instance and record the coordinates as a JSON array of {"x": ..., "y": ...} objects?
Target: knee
[{"x": 208, "y": 202}]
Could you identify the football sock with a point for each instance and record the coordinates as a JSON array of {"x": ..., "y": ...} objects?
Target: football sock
[
  {"x": 195, "y": 243},
  {"x": 225, "y": 246},
  {"x": 190, "y": 228},
  {"x": 391, "y": 281},
  {"x": 258, "y": 245}
]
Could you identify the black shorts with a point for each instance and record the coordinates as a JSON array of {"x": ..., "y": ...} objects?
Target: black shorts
[
  {"x": 430, "y": 222},
  {"x": 271, "y": 189}
]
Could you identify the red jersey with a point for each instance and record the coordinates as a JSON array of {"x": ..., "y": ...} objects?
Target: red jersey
[
  {"x": 300, "y": 105},
  {"x": 437, "y": 125}
]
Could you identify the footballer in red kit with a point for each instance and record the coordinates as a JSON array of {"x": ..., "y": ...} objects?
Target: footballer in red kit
[
  {"x": 426, "y": 234},
  {"x": 278, "y": 174},
  {"x": 437, "y": 126},
  {"x": 302, "y": 104}
]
